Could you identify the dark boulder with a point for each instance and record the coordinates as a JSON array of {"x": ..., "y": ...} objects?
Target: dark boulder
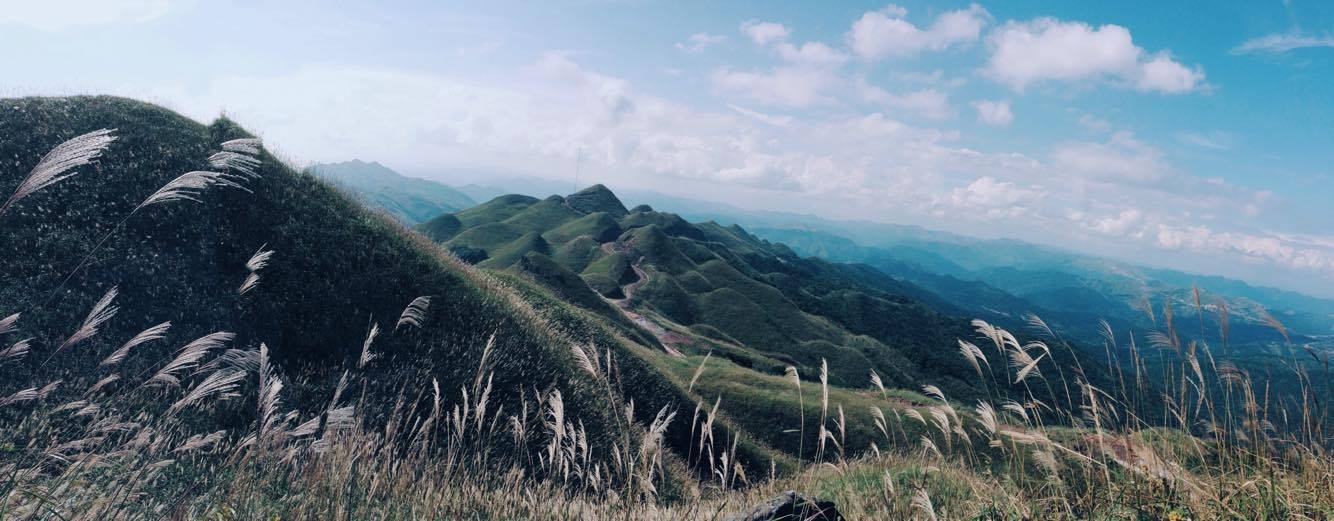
[{"x": 791, "y": 506}]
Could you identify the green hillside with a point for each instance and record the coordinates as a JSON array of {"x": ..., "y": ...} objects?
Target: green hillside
[
  {"x": 410, "y": 199},
  {"x": 721, "y": 285}
]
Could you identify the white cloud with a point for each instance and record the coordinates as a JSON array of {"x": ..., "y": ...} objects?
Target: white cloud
[
  {"x": 51, "y": 15},
  {"x": 884, "y": 33},
  {"x": 994, "y": 113},
  {"x": 998, "y": 198},
  {"x": 811, "y": 53},
  {"x": 764, "y": 33},
  {"x": 1122, "y": 224},
  {"x": 1123, "y": 158},
  {"x": 1282, "y": 43},
  {"x": 928, "y": 103},
  {"x": 1163, "y": 74},
  {"x": 699, "y": 41},
  {"x": 786, "y": 86},
  {"x": 1046, "y": 49},
  {"x": 1275, "y": 249}
]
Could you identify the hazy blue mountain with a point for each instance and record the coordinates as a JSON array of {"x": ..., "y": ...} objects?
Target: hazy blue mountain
[
  {"x": 1012, "y": 277},
  {"x": 410, "y": 199}
]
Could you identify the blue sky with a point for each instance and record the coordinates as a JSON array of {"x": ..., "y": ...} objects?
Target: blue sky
[{"x": 1185, "y": 134}]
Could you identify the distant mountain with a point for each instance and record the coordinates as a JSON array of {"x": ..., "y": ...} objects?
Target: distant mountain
[
  {"x": 1061, "y": 284},
  {"x": 410, "y": 199},
  {"x": 1072, "y": 291}
]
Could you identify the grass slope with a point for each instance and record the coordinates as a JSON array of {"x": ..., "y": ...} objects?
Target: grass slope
[{"x": 183, "y": 262}]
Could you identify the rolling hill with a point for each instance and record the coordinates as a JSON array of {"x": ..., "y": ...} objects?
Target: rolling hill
[
  {"x": 706, "y": 287},
  {"x": 409, "y": 199}
]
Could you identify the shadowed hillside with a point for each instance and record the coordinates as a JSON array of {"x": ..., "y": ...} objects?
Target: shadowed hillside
[{"x": 336, "y": 271}]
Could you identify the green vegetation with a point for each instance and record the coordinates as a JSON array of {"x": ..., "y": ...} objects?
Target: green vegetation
[
  {"x": 772, "y": 307},
  {"x": 323, "y": 362}
]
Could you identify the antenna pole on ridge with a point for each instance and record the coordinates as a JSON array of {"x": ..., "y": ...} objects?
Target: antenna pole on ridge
[{"x": 578, "y": 161}]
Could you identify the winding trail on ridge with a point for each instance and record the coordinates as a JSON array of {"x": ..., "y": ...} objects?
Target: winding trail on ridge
[{"x": 668, "y": 338}]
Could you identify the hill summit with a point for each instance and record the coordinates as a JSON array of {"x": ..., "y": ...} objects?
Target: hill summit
[{"x": 597, "y": 198}]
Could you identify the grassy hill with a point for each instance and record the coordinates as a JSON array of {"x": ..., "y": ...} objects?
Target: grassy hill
[
  {"x": 410, "y": 199},
  {"x": 336, "y": 270},
  {"x": 722, "y": 285}
]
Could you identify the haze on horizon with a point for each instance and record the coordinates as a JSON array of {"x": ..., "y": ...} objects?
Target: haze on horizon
[{"x": 1158, "y": 134}]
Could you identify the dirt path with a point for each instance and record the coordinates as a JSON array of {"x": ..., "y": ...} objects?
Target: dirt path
[{"x": 668, "y": 338}]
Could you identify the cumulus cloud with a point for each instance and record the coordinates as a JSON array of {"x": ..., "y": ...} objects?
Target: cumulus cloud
[
  {"x": 987, "y": 191},
  {"x": 699, "y": 41},
  {"x": 995, "y": 199},
  {"x": 1046, "y": 49},
  {"x": 885, "y": 33},
  {"x": 53, "y": 15},
  {"x": 764, "y": 33},
  {"x": 1282, "y": 43},
  {"x": 994, "y": 113}
]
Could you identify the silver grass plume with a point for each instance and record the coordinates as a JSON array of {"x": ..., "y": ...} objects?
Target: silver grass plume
[
  {"x": 922, "y": 501},
  {"x": 57, "y": 164},
  {"x": 148, "y": 335},
  {"x": 585, "y": 362},
  {"x": 257, "y": 262},
  {"x": 240, "y": 359},
  {"x": 248, "y": 146},
  {"x": 200, "y": 441},
  {"x": 7, "y": 323},
  {"x": 220, "y": 383},
  {"x": 187, "y": 187},
  {"x": 699, "y": 371},
  {"x": 20, "y": 396},
  {"x": 16, "y": 350},
  {"x": 101, "y": 384},
  {"x": 270, "y": 387},
  {"x": 49, "y": 388},
  {"x": 933, "y": 391},
  {"x": 415, "y": 313},
  {"x": 973, "y": 354},
  {"x": 238, "y": 162},
  {"x": 986, "y": 415},
  {"x": 366, "y": 354},
  {"x": 188, "y": 357},
  {"x": 102, "y": 311}
]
